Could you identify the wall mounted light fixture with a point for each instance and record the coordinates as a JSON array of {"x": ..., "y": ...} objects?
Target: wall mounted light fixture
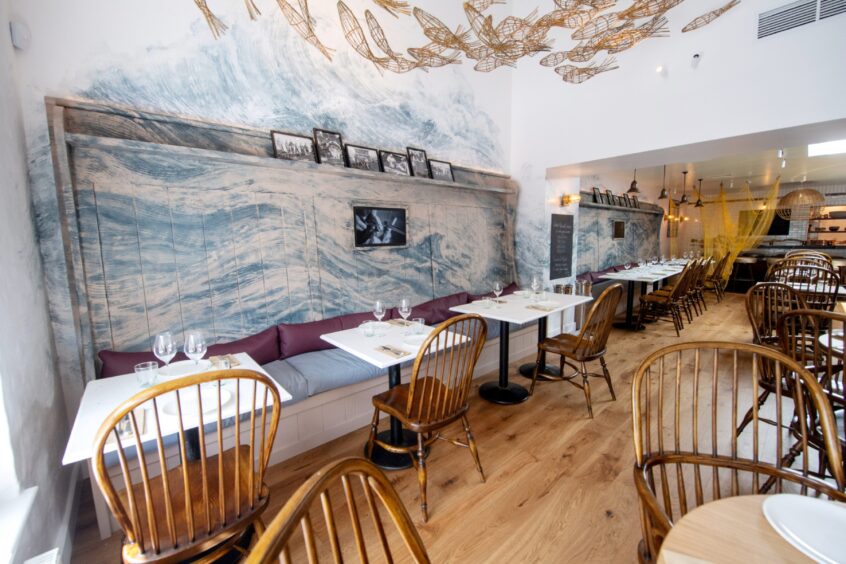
[{"x": 568, "y": 199}]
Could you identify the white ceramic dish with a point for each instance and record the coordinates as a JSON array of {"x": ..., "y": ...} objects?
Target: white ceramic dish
[
  {"x": 184, "y": 368},
  {"x": 189, "y": 401},
  {"x": 414, "y": 341},
  {"x": 811, "y": 525},
  {"x": 378, "y": 328}
]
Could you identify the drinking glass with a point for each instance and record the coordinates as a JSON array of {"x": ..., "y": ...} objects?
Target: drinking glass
[
  {"x": 497, "y": 289},
  {"x": 367, "y": 329},
  {"x": 536, "y": 283},
  {"x": 195, "y": 346},
  {"x": 146, "y": 372},
  {"x": 419, "y": 322},
  {"x": 654, "y": 259},
  {"x": 379, "y": 310},
  {"x": 404, "y": 308},
  {"x": 164, "y": 347}
]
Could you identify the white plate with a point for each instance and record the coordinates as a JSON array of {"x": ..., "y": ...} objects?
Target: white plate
[
  {"x": 414, "y": 341},
  {"x": 811, "y": 525},
  {"x": 184, "y": 368},
  {"x": 189, "y": 401},
  {"x": 545, "y": 304}
]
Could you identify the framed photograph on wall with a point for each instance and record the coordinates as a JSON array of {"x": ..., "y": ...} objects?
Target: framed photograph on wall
[
  {"x": 375, "y": 226},
  {"x": 330, "y": 147},
  {"x": 292, "y": 146},
  {"x": 362, "y": 158},
  {"x": 635, "y": 202},
  {"x": 419, "y": 162},
  {"x": 612, "y": 201},
  {"x": 394, "y": 163},
  {"x": 597, "y": 195},
  {"x": 441, "y": 170},
  {"x": 627, "y": 200}
]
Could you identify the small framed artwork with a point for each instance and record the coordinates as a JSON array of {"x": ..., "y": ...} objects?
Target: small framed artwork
[
  {"x": 635, "y": 202},
  {"x": 362, "y": 158},
  {"x": 330, "y": 147},
  {"x": 379, "y": 227},
  {"x": 394, "y": 163},
  {"x": 612, "y": 201},
  {"x": 441, "y": 170},
  {"x": 419, "y": 162},
  {"x": 627, "y": 200},
  {"x": 292, "y": 146},
  {"x": 597, "y": 195}
]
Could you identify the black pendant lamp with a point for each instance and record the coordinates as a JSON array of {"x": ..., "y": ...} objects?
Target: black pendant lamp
[
  {"x": 684, "y": 199},
  {"x": 633, "y": 187},
  {"x": 699, "y": 203},
  {"x": 663, "y": 195}
]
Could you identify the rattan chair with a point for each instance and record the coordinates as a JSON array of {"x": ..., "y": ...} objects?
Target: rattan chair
[
  {"x": 174, "y": 509},
  {"x": 587, "y": 346},
  {"x": 337, "y": 515},
  {"x": 819, "y": 286},
  {"x": 686, "y": 402},
  {"x": 437, "y": 394}
]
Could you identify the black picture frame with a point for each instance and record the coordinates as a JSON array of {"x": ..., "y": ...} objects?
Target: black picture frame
[
  {"x": 362, "y": 158},
  {"x": 394, "y": 163},
  {"x": 329, "y": 147},
  {"x": 292, "y": 146},
  {"x": 635, "y": 202},
  {"x": 419, "y": 162},
  {"x": 611, "y": 200},
  {"x": 441, "y": 170},
  {"x": 376, "y": 226},
  {"x": 627, "y": 200},
  {"x": 597, "y": 195}
]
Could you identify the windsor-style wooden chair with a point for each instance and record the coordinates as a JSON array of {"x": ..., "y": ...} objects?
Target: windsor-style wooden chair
[
  {"x": 437, "y": 394},
  {"x": 337, "y": 515},
  {"x": 666, "y": 306},
  {"x": 174, "y": 509},
  {"x": 818, "y": 285},
  {"x": 686, "y": 403}
]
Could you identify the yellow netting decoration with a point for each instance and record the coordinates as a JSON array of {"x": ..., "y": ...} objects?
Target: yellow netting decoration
[{"x": 727, "y": 230}]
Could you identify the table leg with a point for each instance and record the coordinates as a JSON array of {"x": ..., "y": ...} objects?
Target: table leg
[
  {"x": 502, "y": 392},
  {"x": 629, "y": 322},
  {"x": 395, "y": 436},
  {"x": 528, "y": 369}
]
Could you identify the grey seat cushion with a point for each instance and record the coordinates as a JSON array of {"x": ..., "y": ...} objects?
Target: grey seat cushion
[
  {"x": 332, "y": 368},
  {"x": 289, "y": 378}
]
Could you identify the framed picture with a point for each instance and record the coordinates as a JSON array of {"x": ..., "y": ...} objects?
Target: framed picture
[
  {"x": 597, "y": 195},
  {"x": 627, "y": 200},
  {"x": 635, "y": 202},
  {"x": 612, "y": 201},
  {"x": 292, "y": 146},
  {"x": 330, "y": 147},
  {"x": 441, "y": 170},
  {"x": 362, "y": 158},
  {"x": 419, "y": 162},
  {"x": 394, "y": 163},
  {"x": 379, "y": 227}
]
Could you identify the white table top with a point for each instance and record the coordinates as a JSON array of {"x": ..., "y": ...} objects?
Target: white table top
[
  {"x": 654, "y": 273},
  {"x": 101, "y": 397},
  {"x": 818, "y": 288},
  {"x": 520, "y": 308}
]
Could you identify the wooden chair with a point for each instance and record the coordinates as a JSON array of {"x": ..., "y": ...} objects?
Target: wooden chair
[
  {"x": 808, "y": 253},
  {"x": 689, "y": 294},
  {"x": 589, "y": 345},
  {"x": 294, "y": 536},
  {"x": 806, "y": 336},
  {"x": 800, "y": 261},
  {"x": 686, "y": 402},
  {"x": 666, "y": 306},
  {"x": 437, "y": 394},
  {"x": 173, "y": 510},
  {"x": 818, "y": 285},
  {"x": 714, "y": 281}
]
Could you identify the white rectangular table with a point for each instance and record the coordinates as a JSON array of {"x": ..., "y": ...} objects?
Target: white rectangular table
[
  {"x": 645, "y": 275},
  {"x": 517, "y": 309},
  {"x": 354, "y": 342}
]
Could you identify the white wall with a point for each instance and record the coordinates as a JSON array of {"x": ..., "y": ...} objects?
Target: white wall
[{"x": 32, "y": 395}]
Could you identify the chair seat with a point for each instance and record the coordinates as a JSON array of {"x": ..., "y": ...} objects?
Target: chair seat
[
  {"x": 567, "y": 345},
  {"x": 394, "y": 402},
  {"x": 236, "y": 516},
  {"x": 656, "y": 298}
]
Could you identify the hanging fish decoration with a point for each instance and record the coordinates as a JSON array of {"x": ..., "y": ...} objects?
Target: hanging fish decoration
[
  {"x": 482, "y": 5},
  {"x": 394, "y": 7},
  {"x": 252, "y": 9},
  {"x": 217, "y": 27},
  {"x": 432, "y": 56},
  {"x": 578, "y": 75},
  {"x": 354, "y": 34},
  {"x": 627, "y": 38},
  {"x": 598, "y": 25},
  {"x": 648, "y": 8},
  {"x": 378, "y": 35},
  {"x": 303, "y": 26},
  {"x": 707, "y": 18}
]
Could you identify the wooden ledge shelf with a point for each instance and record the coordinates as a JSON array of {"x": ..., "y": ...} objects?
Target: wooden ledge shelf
[{"x": 652, "y": 210}]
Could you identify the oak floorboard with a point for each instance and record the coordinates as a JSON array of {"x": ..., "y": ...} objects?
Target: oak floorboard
[{"x": 559, "y": 485}]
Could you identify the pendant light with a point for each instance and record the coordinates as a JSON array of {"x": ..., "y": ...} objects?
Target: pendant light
[
  {"x": 684, "y": 199},
  {"x": 699, "y": 203},
  {"x": 663, "y": 195},
  {"x": 633, "y": 187}
]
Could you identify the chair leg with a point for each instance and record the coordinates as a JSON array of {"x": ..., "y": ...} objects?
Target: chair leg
[
  {"x": 535, "y": 372},
  {"x": 374, "y": 424},
  {"x": 586, "y": 387},
  {"x": 607, "y": 378},
  {"x": 471, "y": 441},
  {"x": 421, "y": 476}
]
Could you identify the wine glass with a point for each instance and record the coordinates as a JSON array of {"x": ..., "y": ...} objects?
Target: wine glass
[
  {"x": 195, "y": 346},
  {"x": 536, "y": 283},
  {"x": 404, "y": 308},
  {"x": 164, "y": 347},
  {"x": 379, "y": 310},
  {"x": 497, "y": 289},
  {"x": 627, "y": 265}
]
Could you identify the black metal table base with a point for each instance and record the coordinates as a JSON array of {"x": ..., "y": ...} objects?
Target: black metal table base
[
  {"x": 501, "y": 392},
  {"x": 528, "y": 369},
  {"x": 391, "y": 460}
]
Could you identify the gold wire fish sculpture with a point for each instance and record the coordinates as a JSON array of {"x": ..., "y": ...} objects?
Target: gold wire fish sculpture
[
  {"x": 431, "y": 56},
  {"x": 354, "y": 34},
  {"x": 302, "y": 25},
  {"x": 578, "y": 75},
  {"x": 627, "y": 38},
  {"x": 648, "y": 8},
  {"x": 394, "y": 7},
  {"x": 252, "y": 9},
  {"x": 707, "y": 18},
  {"x": 378, "y": 35},
  {"x": 482, "y": 5},
  {"x": 597, "y": 25},
  {"x": 217, "y": 27}
]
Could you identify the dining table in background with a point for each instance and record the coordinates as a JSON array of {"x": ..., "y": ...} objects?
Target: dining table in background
[
  {"x": 650, "y": 274},
  {"x": 519, "y": 308}
]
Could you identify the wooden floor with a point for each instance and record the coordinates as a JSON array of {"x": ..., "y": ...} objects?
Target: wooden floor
[{"x": 559, "y": 485}]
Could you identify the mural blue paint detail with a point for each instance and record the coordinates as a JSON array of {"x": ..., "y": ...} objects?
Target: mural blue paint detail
[{"x": 597, "y": 248}]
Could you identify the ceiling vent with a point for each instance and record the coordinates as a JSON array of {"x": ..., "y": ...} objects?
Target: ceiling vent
[
  {"x": 830, "y": 8},
  {"x": 789, "y": 16}
]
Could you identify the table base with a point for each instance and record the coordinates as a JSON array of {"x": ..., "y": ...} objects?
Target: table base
[
  {"x": 528, "y": 369},
  {"x": 508, "y": 395},
  {"x": 629, "y": 326},
  {"x": 390, "y": 460}
]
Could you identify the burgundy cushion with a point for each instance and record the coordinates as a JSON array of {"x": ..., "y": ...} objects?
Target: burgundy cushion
[
  {"x": 262, "y": 347},
  {"x": 116, "y": 363},
  {"x": 437, "y": 310},
  {"x": 299, "y": 338},
  {"x": 585, "y": 276}
]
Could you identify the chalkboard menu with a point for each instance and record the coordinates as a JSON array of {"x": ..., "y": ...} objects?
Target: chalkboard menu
[{"x": 561, "y": 247}]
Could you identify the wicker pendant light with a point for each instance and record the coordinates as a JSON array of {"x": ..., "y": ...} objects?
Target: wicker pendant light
[
  {"x": 699, "y": 203},
  {"x": 663, "y": 195},
  {"x": 633, "y": 187},
  {"x": 804, "y": 203},
  {"x": 684, "y": 199}
]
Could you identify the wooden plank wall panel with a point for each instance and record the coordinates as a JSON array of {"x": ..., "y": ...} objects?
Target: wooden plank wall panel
[
  {"x": 246, "y": 246},
  {"x": 271, "y": 242},
  {"x": 300, "y": 257}
]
